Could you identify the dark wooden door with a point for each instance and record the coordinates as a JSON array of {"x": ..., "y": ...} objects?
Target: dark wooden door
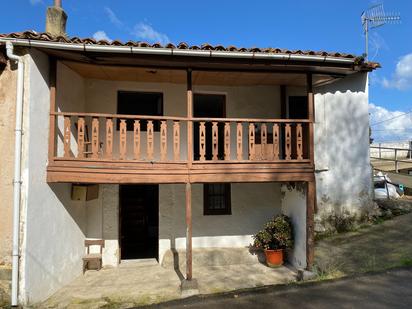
[{"x": 139, "y": 221}]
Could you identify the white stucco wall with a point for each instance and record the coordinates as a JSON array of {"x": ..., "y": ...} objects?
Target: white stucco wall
[
  {"x": 294, "y": 206},
  {"x": 103, "y": 222},
  {"x": 54, "y": 225},
  {"x": 343, "y": 176},
  {"x": 253, "y": 205},
  {"x": 70, "y": 97}
]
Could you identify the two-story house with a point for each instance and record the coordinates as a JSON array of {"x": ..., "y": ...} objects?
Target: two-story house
[{"x": 157, "y": 147}]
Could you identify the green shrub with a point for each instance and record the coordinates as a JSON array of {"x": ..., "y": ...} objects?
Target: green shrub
[{"x": 276, "y": 234}]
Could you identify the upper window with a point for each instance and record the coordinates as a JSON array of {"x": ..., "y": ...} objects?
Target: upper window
[
  {"x": 140, "y": 103},
  {"x": 217, "y": 199}
]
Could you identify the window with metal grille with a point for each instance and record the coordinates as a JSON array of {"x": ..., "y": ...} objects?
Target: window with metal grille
[{"x": 216, "y": 199}]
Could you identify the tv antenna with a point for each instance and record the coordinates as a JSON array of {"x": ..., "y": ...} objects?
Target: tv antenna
[{"x": 375, "y": 17}]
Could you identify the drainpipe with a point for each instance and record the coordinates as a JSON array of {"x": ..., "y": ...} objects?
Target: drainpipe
[{"x": 17, "y": 173}]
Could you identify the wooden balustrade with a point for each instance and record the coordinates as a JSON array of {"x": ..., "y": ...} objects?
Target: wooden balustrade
[
  {"x": 119, "y": 137},
  {"x": 270, "y": 140},
  {"x": 128, "y": 138}
]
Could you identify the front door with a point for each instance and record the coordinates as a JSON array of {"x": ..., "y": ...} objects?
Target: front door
[{"x": 139, "y": 221}]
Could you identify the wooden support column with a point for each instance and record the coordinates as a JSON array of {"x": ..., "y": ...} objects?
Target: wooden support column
[
  {"x": 311, "y": 115},
  {"x": 188, "y": 231},
  {"x": 311, "y": 185},
  {"x": 310, "y": 225},
  {"x": 189, "y": 119},
  {"x": 188, "y": 185},
  {"x": 52, "y": 121}
]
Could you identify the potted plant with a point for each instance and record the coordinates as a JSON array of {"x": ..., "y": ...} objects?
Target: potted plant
[{"x": 276, "y": 236}]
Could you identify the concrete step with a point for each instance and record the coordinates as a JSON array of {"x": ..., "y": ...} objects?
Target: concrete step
[
  {"x": 212, "y": 257},
  {"x": 138, "y": 263}
]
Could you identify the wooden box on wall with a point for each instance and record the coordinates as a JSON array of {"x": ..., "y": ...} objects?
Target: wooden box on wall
[{"x": 84, "y": 192}]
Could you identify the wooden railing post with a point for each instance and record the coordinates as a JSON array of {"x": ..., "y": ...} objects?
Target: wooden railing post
[
  {"x": 299, "y": 141},
  {"x": 215, "y": 141},
  {"x": 109, "y": 138},
  {"x": 80, "y": 137},
  {"x": 239, "y": 141},
  {"x": 252, "y": 142},
  {"x": 263, "y": 140},
  {"x": 163, "y": 140},
  {"x": 227, "y": 141},
  {"x": 176, "y": 140},
  {"x": 202, "y": 141},
  {"x": 150, "y": 140},
  {"x": 276, "y": 139},
  {"x": 95, "y": 138},
  {"x": 288, "y": 142},
  {"x": 136, "y": 140},
  {"x": 123, "y": 141},
  {"x": 67, "y": 136}
]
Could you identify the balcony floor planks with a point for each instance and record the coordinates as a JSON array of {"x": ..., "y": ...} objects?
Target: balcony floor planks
[{"x": 89, "y": 171}]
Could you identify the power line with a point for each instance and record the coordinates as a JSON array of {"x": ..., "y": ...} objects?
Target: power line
[
  {"x": 397, "y": 129},
  {"x": 373, "y": 124}
]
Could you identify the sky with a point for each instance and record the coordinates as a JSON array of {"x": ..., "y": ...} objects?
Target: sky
[{"x": 300, "y": 24}]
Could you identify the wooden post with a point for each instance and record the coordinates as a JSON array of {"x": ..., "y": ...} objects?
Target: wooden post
[
  {"x": 188, "y": 184},
  {"x": 189, "y": 120},
  {"x": 311, "y": 115},
  {"x": 311, "y": 185},
  {"x": 52, "y": 120},
  {"x": 310, "y": 226},
  {"x": 188, "y": 231}
]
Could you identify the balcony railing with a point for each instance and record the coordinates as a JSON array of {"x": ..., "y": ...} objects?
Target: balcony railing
[{"x": 130, "y": 138}]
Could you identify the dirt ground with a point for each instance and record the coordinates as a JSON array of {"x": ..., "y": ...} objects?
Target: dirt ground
[{"x": 377, "y": 247}]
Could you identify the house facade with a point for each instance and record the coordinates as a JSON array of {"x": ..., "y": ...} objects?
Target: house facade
[{"x": 158, "y": 148}]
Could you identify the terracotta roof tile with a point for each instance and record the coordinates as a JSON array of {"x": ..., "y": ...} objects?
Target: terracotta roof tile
[{"x": 42, "y": 36}]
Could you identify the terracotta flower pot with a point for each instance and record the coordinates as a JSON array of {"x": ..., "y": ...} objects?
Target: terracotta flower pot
[{"x": 274, "y": 258}]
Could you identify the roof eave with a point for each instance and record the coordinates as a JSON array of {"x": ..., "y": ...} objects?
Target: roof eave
[{"x": 177, "y": 52}]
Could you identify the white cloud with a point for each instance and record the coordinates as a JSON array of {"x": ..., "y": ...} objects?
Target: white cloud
[
  {"x": 34, "y": 2},
  {"x": 101, "y": 35},
  {"x": 113, "y": 17},
  {"x": 398, "y": 128},
  {"x": 402, "y": 78},
  {"x": 146, "y": 32}
]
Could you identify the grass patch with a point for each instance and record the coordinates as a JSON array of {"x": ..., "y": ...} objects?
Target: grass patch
[{"x": 406, "y": 262}]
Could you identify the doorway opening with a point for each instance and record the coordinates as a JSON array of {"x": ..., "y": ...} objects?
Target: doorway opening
[
  {"x": 209, "y": 106},
  {"x": 139, "y": 221}
]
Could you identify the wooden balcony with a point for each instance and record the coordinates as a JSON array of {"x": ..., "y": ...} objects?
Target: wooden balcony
[{"x": 110, "y": 148}]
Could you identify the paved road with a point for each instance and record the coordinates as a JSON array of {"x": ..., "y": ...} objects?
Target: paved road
[{"x": 391, "y": 289}]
